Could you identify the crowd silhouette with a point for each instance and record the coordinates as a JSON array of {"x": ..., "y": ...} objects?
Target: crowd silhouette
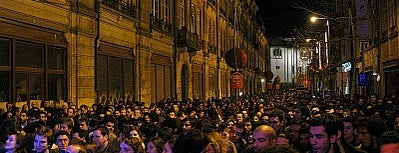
[{"x": 286, "y": 122}]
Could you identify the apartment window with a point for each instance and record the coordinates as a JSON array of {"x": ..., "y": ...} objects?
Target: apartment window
[
  {"x": 166, "y": 11},
  {"x": 181, "y": 16},
  {"x": 392, "y": 13},
  {"x": 39, "y": 72},
  {"x": 193, "y": 19},
  {"x": 156, "y": 9},
  {"x": 277, "y": 53}
]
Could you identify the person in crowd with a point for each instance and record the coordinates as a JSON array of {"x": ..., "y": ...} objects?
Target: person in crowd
[
  {"x": 236, "y": 137},
  {"x": 43, "y": 117},
  {"x": 109, "y": 123},
  {"x": 77, "y": 146},
  {"x": 239, "y": 118},
  {"x": 191, "y": 141},
  {"x": 369, "y": 129},
  {"x": 264, "y": 136},
  {"x": 247, "y": 132},
  {"x": 350, "y": 131},
  {"x": 14, "y": 143},
  {"x": 23, "y": 119},
  {"x": 277, "y": 120},
  {"x": 33, "y": 115},
  {"x": 169, "y": 145},
  {"x": 70, "y": 113},
  {"x": 67, "y": 125},
  {"x": 62, "y": 140},
  {"x": 166, "y": 133},
  {"x": 131, "y": 145},
  {"x": 187, "y": 123},
  {"x": 323, "y": 134},
  {"x": 80, "y": 134},
  {"x": 389, "y": 142},
  {"x": 83, "y": 123},
  {"x": 101, "y": 139},
  {"x": 44, "y": 140},
  {"x": 155, "y": 145}
]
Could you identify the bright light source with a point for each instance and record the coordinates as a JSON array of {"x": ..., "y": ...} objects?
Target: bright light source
[
  {"x": 262, "y": 80},
  {"x": 240, "y": 93},
  {"x": 313, "y": 19}
]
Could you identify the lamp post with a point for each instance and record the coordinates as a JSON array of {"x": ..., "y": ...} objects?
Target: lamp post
[{"x": 327, "y": 47}]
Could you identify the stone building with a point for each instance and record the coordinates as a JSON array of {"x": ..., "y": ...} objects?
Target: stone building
[{"x": 88, "y": 51}]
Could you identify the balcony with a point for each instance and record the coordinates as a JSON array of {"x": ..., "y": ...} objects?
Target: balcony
[
  {"x": 160, "y": 25},
  {"x": 123, "y": 7},
  {"x": 189, "y": 40}
]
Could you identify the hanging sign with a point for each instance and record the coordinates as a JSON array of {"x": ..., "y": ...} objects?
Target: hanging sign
[{"x": 236, "y": 80}]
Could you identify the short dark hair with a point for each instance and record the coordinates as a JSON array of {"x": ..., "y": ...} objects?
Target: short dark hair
[
  {"x": 331, "y": 123},
  {"x": 374, "y": 125},
  {"x": 389, "y": 137},
  {"x": 191, "y": 141},
  {"x": 62, "y": 132},
  {"x": 46, "y": 132}
]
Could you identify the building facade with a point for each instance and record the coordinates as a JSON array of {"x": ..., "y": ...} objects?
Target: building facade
[{"x": 85, "y": 51}]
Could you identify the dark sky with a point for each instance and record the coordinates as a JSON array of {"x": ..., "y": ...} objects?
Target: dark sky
[{"x": 281, "y": 17}]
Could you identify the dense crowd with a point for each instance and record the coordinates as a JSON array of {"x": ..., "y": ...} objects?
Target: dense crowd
[{"x": 280, "y": 122}]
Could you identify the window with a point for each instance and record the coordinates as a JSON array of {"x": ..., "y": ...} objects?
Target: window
[
  {"x": 181, "y": 15},
  {"x": 34, "y": 75},
  {"x": 392, "y": 14},
  {"x": 114, "y": 78},
  {"x": 166, "y": 11},
  {"x": 193, "y": 19},
  {"x": 277, "y": 53}
]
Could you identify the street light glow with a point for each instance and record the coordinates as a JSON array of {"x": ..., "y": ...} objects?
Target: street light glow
[{"x": 313, "y": 19}]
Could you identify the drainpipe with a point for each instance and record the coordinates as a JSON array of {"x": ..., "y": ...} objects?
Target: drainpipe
[{"x": 96, "y": 45}]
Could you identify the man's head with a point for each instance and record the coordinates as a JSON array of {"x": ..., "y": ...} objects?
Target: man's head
[
  {"x": 239, "y": 117},
  {"x": 70, "y": 112},
  {"x": 247, "y": 123},
  {"x": 370, "y": 128},
  {"x": 23, "y": 117},
  {"x": 264, "y": 136},
  {"x": 187, "y": 124},
  {"x": 323, "y": 132},
  {"x": 277, "y": 119},
  {"x": 33, "y": 115},
  {"x": 67, "y": 125},
  {"x": 62, "y": 139},
  {"x": 349, "y": 128},
  {"x": 101, "y": 137},
  {"x": 44, "y": 138},
  {"x": 109, "y": 124},
  {"x": 80, "y": 135},
  {"x": 43, "y": 116},
  {"x": 83, "y": 123},
  {"x": 236, "y": 133}
]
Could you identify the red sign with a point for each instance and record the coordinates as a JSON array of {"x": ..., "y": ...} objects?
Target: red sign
[{"x": 237, "y": 80}]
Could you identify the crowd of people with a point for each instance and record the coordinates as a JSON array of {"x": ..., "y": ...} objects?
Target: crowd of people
[{"x": 280, "y": 122}]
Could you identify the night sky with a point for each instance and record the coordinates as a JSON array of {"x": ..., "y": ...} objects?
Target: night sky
[{"x": 282, "y": 17}]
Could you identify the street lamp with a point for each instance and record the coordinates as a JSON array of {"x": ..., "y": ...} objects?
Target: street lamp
[
  {"x": 327, "y": 45},
  {"x": 326, "y": 35}
]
